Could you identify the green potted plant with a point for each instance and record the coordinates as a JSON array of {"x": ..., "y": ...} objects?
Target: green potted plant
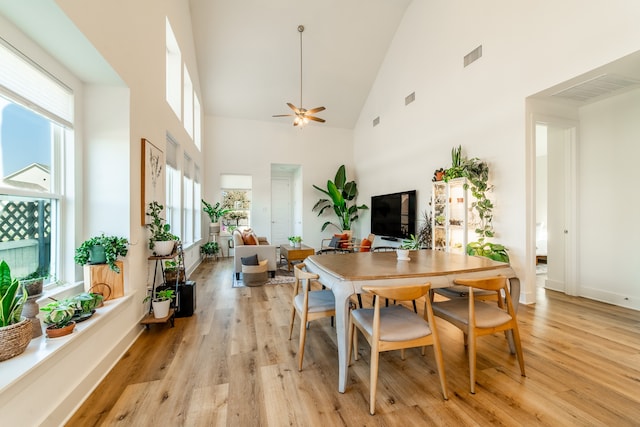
[
  {"x": 342, "y": 201},
  {"x": 15, "y": 331},
  {"x": 215, "y": 212},
  {"x": 489, "y": 250},
  {"x": 295, "y": 241},
  {"x": 59, "y": 318},
  {"x": 171, "y": 270},
  {"x": 33, "y": 282},
  {"x": 161, "y": 302},
  {"x": 102, "y": 249},
  {"x": 412, "y": 243},
  {"x": 209, "y": 248},
  {"x": 161, "y": 241}
]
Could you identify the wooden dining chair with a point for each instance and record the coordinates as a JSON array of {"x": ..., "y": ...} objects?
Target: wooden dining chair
[
  {"x": 308, "y": 304},
  {"x": 395, "y": 328},
  {"x": 477, "y": 318}
]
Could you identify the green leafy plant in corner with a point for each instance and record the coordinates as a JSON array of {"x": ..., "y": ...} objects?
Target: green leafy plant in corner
[
  {"x": 215, "y": 212},
  {"x": 160, "y": 231},
  {"x": 113, "y": 246},
  {"x": 12, "y": 297},
  {"x": 210, "y": 248},
  {"x": 342, "y": 200}
]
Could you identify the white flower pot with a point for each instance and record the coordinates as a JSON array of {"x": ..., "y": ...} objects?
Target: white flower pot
[
  {"x": 161, "y": 308},
  {"x": 163, "y": 248},
  {"x": 403, "y": 254}
]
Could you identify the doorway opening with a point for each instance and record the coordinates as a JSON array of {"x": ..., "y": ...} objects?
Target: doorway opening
[{"x": 286, "y": 202}]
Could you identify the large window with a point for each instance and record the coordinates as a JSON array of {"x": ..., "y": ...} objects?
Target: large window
[
  {"x": 173, "y": 203},
  {"x": 187, "y": 194},
  {"x": 173, "y": 69},
  {"x": 35, "y": 114}
]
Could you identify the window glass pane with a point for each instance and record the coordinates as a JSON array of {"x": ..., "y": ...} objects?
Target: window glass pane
[
  {"x": 197, "y": 122},
  {"x": 26, "y": 144},
  {"x": 172, "y": 208},
  {"x": 239, "y": 204},
  {"x": 173, "y": 69},
  {"x": 25, "y": 235},
  {"x": 188, "y": 103},
  {"x": 187, "y": 238}
]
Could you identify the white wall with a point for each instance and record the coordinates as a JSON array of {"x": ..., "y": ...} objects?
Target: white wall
[
  {"x": 608, "y": 200},
  {"x": 250, "y": 147},
  {"x": 526, "y": 48}
]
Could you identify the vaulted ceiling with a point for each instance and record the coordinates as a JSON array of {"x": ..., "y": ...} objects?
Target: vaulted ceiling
[{"x": 249, "y": 55}]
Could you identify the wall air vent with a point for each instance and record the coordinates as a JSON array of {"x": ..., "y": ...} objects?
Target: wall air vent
[
  {"x": 376, "y": 121},
  {"x": 410, "y": 98},
  {"x": 472, "y": 56},
  {"x": 596, "y": 87}
]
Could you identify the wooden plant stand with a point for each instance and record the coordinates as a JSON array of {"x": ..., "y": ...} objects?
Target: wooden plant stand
[{"x": 150, "y": 320}]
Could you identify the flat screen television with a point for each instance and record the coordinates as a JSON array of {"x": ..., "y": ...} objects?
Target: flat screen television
[{"x": 394, "y": 215}]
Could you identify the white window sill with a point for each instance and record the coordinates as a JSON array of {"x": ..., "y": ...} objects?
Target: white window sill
[{"x": 41, "y": 349}]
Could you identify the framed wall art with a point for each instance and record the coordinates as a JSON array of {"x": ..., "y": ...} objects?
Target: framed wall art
[{"x": 152, "y": 176}]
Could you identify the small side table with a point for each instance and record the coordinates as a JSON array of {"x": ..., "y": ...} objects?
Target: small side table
[{"x": 292, "y": 254}]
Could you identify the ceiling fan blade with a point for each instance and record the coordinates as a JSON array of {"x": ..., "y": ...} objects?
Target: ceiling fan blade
[
  {"x": 317, "y": 119},
  {"x": 316, "y": 110},
  {"x": 282, "y": 115},
  {"x": 293, "y": 107}
]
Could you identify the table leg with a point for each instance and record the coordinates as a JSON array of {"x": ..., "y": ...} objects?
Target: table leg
[{"x": 342, "y": 297}]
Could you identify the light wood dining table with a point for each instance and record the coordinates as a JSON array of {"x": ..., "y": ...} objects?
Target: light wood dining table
[{"x": 346, "y": 274}]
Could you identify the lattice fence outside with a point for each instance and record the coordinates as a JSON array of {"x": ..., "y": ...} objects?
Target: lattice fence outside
[{"x": 25, "y": 220}]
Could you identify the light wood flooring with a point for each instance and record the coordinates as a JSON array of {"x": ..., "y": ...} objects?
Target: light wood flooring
[{"x": 232, "y": 364}]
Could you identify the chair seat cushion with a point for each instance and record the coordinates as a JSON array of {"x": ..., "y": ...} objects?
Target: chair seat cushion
[
  {"x": 488, "y": 315},
  {"x": 318, "y": 301},
  {"x": 397, "y": 323}
]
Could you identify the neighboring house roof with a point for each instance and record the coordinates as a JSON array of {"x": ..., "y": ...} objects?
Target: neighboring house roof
[{"x": 36, "y": 176}]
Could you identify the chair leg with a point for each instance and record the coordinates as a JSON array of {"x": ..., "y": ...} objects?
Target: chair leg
[
  {"x": 437, "y": 350},
  {"x": 472, "y": 362},
  {"x": 516, "y": 340},
  {"x": 373, "y": 379},
  {"x": 415, "y": 307},
  {"x": 293, "y": 318},
  {"x": 303, "y": 337},
  {"x": 402, "y": 353},
  {"x": 360, "y": 300}
]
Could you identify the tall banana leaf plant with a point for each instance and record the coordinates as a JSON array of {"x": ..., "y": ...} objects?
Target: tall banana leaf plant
[{"x": 342, "y": 199}]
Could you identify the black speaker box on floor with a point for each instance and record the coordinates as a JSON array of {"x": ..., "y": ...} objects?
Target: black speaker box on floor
[{"x": 185, "y": 301}]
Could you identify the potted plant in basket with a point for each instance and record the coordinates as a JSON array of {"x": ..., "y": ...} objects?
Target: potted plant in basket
[
  {"x": 215, "y": 212},
  {"x": 161, "y": 241},
  {"x": 59, "y": 317},
  {"x": 15, "y": 331},
  {"x": 102, "y": 250},
  {"x": 161, "y": 302}
]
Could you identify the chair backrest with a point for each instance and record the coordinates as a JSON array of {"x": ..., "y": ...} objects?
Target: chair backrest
[
  {"x": 300, "y": 275},
  {"x": 497, "y": 284},
  {"x": 399, "y": 293}
]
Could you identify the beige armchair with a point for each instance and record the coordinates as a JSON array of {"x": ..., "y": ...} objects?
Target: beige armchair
[{"x": 263, "y": 249}]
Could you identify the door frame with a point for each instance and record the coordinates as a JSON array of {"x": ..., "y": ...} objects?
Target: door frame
[{"x": 570, "y": 128}]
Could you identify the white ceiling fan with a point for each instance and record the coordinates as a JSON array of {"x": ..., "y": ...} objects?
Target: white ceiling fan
[{"x": 302, "y": 115}]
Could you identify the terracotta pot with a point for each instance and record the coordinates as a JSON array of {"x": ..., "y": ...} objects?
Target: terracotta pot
[{"x": 53, "y": 332}]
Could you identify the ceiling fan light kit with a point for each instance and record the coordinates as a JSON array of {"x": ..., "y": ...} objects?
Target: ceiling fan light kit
[{"x": 302, "y": 115}]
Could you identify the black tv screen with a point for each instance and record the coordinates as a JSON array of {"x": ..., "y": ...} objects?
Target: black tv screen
[{"x": 394, "y": 215}]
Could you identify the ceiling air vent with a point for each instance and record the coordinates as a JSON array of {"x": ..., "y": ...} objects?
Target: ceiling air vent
[
  {"x": 376, "y": 121},
  {"x": 472, "y": 56},
  {"x": 596, "y": 87},
  {"x": 410, "y": 98}
]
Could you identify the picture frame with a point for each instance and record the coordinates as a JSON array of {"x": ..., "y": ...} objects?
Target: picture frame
[{"x": 153, "y": 181}]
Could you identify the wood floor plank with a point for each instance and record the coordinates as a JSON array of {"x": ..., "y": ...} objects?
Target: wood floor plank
[{"x": 232, "y": 364}]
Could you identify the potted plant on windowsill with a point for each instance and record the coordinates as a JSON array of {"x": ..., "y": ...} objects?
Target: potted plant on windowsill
[
  {"x": 15, "y": 331},
  {"x": 59, "y": 317},
  {"x": 162, "y": 241},
  {"x": 215, "y": 212},
  {"x": 161, "y": 302},
  {"x": 102, "y": 250},
  {"x": 34, "y": 282}
]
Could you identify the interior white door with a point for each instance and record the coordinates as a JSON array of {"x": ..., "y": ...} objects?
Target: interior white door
[
  {"x": 280, "y": 210},
  {"x": 561, "y": 206}
]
